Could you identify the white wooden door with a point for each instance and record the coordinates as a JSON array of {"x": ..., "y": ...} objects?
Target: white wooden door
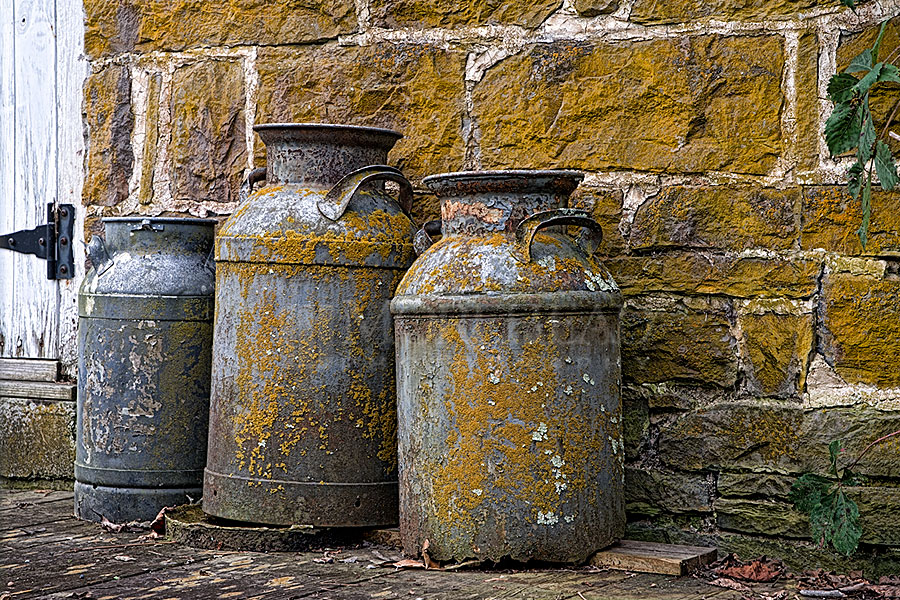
[{"x": 42, "y": 70}]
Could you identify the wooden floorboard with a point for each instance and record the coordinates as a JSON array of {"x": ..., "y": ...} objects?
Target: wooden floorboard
[{"x": 47, "y": 553}]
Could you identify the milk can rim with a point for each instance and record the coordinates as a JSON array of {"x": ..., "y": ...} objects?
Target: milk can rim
[
  {"x": 328, "y": 127},
  {"x": 160, "y": 220}
]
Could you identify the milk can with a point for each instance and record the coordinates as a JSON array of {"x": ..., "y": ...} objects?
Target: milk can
[
  {"x": 303, "y": 407},
  {"x": 509, "y": 409},
  {"x": 145, "y": 313}
]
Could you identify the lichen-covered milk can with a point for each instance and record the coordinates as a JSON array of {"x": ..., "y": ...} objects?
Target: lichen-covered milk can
[
  {"x": 145, "y": 313},
  {"x": 303, "y": 407},
  {"x": 507, "y": 331}
]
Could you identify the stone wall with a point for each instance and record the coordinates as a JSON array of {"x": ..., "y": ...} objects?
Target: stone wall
[{"x": 756, "y": 328}]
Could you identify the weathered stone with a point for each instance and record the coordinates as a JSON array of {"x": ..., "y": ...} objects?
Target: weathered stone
[
  {"x": 878, "y": 510},
  {"x": 151, "y": 139},
  {"x": 703, "y": 273},
  {"x": 682, "y": 104},
  {"x": 109, "y": 121},
  {"x": 422, "y": 14},
  {"x": 831, "y": 218},
  {"x": 635, "y": 423},
  {"x": 686, "y": 345},
  {"x": 605, "y": 206},
  {"x": 745, "y": 485},
  {"x": 593, "y": 8},
  {"x": 860, "y": 334},
  {"x": 797, "y": 555},
  {"x": 37, "y": 439},
  {"x": 654, "y": 12},
  {"x": 425, "y": 207},
  {"x": 776, "y": 350},
  {"x": 729, "y": 217},
  {"x": 650, "y": 492},
  {"x": 783, "y": 438},
  {"x": 416, "y": 89},
  {"x": 113, "y": 27},
  {"x": 806, "y": 84},
  {"x": 208, "y": 147},
  {"x": 882, "y": 96},
  {"x": 673, "y": 396},
  {"x": 765, "y": 517}
]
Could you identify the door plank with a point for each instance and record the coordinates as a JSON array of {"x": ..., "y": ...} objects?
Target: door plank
[
  {"x": 34, "y": 324},
  {"x": 23, "y": 369},
  {"x": 7, "y": 171},
  {"x": 71, "y": 71}
]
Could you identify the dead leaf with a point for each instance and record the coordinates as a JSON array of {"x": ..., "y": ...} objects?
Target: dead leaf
[
  {"x": 761, "y": 570},
  {"x": 149, "y": 536},
  {"x": 426, "y": 558},
  {"x": 123, "y": 558},
  {"x": 408, "y": 563},
  {"x": 731, "y": 584},
  {"x": 112, "y": 527},
  {"x": 159, "y": 523}
]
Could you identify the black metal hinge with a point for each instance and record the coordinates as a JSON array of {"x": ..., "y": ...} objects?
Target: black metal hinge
[{"x": 52, "y": 242}]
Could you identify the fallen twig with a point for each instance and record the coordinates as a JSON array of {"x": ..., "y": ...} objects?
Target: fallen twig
[{"x": 838, "y": 593}]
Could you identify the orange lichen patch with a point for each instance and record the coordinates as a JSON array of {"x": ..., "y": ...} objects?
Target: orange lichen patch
[
  {"x": 451, "y": 209},
  {"x": 524, "y": 431}
]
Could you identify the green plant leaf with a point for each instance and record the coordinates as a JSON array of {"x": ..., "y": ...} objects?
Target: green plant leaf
[
  {"x": 844, "y": 531},
  {"x": 885, "y": 167},
  {"x": 807, "y": 492},
  {"x": 834, "y": 450},
  {"x": 866, "y": 134},
  {"x": 877, "y": 46},
  {"x": 850, "y": 3},
  {"x": 889, "y": 73},
  {"x": 842, "y": 129},
  {"x": 862, "y": 62},
  {"x": 841, "y": 87},
  {"x": 863, "y": 230},
  {"x": 854, "y": 179},
  {"x": 869, "y": 79}
]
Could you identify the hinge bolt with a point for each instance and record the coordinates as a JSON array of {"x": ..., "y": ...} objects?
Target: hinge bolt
[
  {"x": 12, "y": 242},
  {"x": 64, "y": 269},
  {"x": 64, "y": 213},
  {"x": 41, "y": 241},
  {"x": 63, "y": 241}
]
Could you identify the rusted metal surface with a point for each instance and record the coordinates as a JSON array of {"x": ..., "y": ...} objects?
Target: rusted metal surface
[
  {"x": 303, "y": 407},
  {"x": 145, "y": 338},
  {"x": 509, "y": 408}
]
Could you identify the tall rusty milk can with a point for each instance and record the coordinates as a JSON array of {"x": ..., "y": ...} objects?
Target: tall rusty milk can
[
  {"x": 145, "y": 313},
  {"x": 303, "y": 406},
  {"x": 508, "y": 376}
]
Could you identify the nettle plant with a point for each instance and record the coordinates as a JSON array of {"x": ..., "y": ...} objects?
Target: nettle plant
[{"x": 850, "y": 130}]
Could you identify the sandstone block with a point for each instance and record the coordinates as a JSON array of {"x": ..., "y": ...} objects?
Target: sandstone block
[
  {"x": 37, "y": 439},
  {"x": 761, "y": 517},
  {"x": 686, "y": 345},
  {"x": 655, "y": 12},
  {"x": 686, "y": 104},
  {"x": 422, "y": 14},
  {"x": 778, "y": 437},
  {"x": 806, "y": 82},
  {"x": 831, "y": 218},
  {"x": 729, "y": 217},
  {"x": 208, "y": 147},
  {"x": 861, "y": 328},
  {"x": 728, "y": 274},
  {"x": 650, "y": 492},
  {"x": 114, "y": 27},
  {"x": 416, "y": 89},
  {"x": 765, "y": 485},
  {"x": 776, "y": 350},
  {"x": 109, "y": 121},
  {"x": 593, "y": 8},
  {"x": 605, "y": 206}
]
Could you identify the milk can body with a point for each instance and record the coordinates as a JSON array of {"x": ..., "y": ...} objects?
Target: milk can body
[
  {"x": 145, "y": 313},
  {"x": 509, "y": 408},
  {"x": 303, "y": 407}
]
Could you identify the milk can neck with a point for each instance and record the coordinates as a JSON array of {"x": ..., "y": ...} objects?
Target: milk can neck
[
  {"x": 319, "y": 155},
  {"x": 160, "y": 235},
  {"x": 489, "y": 202}
]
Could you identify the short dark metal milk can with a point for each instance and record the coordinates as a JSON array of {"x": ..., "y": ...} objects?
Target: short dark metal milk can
[
  {"x": 509, "y": 408},
  {"x": 145, "y": 313},
  {"x": 303, "y": 407}
]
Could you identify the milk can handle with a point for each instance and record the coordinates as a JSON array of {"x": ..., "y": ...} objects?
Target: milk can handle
[
  {"x": 335, "y": 202},
  {"x": 589, "y": 240},
  {"x": 255, "y": 176},
  {"x": 423, "y": 239},
  {"x": 100, "y": 258}
]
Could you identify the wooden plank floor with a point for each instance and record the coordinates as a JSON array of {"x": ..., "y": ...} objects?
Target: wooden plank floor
[{"x": 47, "y": 553}]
